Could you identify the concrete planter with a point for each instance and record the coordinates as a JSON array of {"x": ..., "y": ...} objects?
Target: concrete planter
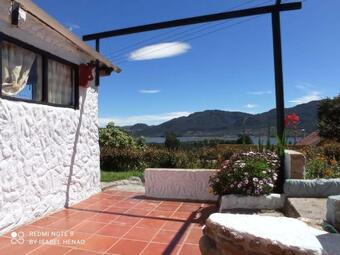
[
  {"x": 268, "y": 202},
  {"x": 187, "y": 184}
]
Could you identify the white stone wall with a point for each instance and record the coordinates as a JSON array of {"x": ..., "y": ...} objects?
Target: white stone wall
[
  {"x": 44, "y": 151},
  {"x": 48, "y": 155},
  {"x": 190, "y": 184}
]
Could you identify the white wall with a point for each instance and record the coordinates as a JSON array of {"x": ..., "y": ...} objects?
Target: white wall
[
  {"x": 169, "y": 183},
  {"x": 46, "y": 151},
  {"x": 41, "y": 147}
]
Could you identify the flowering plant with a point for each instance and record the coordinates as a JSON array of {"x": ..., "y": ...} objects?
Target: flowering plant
[
  {"x": 292, "y": 120},
  {"x": 251, "y": 173}
]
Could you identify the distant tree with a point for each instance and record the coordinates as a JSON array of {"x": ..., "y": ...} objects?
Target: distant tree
[
  {"x": 171, "y": 141},
  {"x": 244, "y": 139},
  {"x": 329, "y": 118},
  {"x": 115, "y": 137}
]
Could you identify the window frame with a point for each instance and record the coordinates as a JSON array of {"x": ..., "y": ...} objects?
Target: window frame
[{"x": 45, "y": 57}]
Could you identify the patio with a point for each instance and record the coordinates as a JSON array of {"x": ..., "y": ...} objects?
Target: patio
[{"x": 114, "y": 222}]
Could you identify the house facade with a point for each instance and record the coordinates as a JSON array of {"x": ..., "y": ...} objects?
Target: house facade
[{"x": 49, "y": 151}]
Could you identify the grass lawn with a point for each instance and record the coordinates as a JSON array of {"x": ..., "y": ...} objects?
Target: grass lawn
[{"x": 110, "y": 176}]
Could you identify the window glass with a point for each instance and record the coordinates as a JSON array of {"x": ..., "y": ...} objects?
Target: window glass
[
  {"x": 21, "y": 73},
  {"x": 60, "y": 83}
]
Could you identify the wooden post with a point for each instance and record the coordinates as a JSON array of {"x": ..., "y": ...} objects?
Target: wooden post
[
  {"x": 279, "y": 93},
  {"x": 97, "y": 63}
]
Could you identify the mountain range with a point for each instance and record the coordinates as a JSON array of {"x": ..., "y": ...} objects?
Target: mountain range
[{"x": 221, "y": 123}]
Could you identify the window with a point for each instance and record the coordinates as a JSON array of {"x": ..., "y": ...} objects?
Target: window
[
  {"x": 21, "y": 73},
  {"x": 32, "y": 75},
  {"x": 60, "y": 83}
]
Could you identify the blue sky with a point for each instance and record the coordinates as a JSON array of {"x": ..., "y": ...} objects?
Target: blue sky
[{"x": 224, "y": 65}]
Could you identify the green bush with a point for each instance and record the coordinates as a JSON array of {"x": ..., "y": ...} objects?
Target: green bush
[
  {"x": 322, "y": 161},
  {"x": 329, "y": 118},
  {"x": 136, "y": 158},
  {"x": 114, "y": 137},
  {"x": 251, "y": 173},
  {"x": 113, "y": 159},
  {"x": 319, "y": 168}
]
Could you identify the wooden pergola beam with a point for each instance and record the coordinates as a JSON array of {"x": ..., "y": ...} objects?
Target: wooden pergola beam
[{"x": 195, "y": 20}]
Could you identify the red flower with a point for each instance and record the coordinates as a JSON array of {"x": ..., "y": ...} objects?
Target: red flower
[{"x": 292, "y": 120}]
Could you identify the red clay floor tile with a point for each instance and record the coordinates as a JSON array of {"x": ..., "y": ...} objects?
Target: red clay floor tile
[
  {"x": 161, "y": 249},
  {"x": 173, "y": 225},
  {"x": 167, "y": 237},
  {"x": 127, "y": 220},
  {"x": 50, "y": 250},
  {"x": 151, "y": 223},
  {"x": 103, "y": 217},
  {"x": 114, "y": 229},
  {"x": 188, "y": 249},
  {"x": 118, "y": 223},
  {"x": 4, "y": 242},
  {"x": 44, "y": 222},
  {"x": 141, "y": 234},
  {"x": 82, "y": 252},
  {"x": 88, "y": 226},
  {"x": 194, "y": 236},
  {"x": 98, "y": 243},
  {"x": 127, "y": 247}
]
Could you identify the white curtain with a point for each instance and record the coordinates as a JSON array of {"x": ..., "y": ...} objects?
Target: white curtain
[
  {"x": 16, "y": 66},
  {"x": 59, "y": 83}
]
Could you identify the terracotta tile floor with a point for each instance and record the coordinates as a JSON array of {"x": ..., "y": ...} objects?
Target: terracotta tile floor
[{"x": 114, "y": 222}]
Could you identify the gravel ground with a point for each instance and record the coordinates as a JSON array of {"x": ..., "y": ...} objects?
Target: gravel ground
[{"x": 133, "y": 184}]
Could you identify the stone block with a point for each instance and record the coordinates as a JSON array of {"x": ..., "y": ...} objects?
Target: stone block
[
  {"x": 294, "y": 165},
  {"x": 270, "y": 202},
  {"x": 333, "y": 211}
]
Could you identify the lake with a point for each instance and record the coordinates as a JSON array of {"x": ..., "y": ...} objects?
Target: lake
[{"x": 255, "y": 139}]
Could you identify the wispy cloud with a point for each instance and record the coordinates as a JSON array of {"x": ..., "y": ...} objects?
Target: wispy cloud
[
  {"x": 160, "y": 50},
  {"x": 260, "y": 93},
  {"x": 72, "y": 27},
  {"x": 304, "y": 86},
  {"x": 251, "y": 106},
  {"x": 310, "y": 93},
  {"x": 152, "y": 119},
  {"x": 149, "y": 91},
  {"x": 310, "y": 96}
]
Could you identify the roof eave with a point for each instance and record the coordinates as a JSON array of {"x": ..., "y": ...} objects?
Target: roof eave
[{"x": 32, "y": 8}]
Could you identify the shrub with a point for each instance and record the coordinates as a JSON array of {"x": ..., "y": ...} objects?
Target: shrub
[
  {"x": 320, "y": 168},
  {"x": 113, "y": 159},
  {"x": 251, "y": 173},
  {"x": 114, "y": 137},
  {"x": 329, "y": 118},
  {"x": 171, "y": 141}
]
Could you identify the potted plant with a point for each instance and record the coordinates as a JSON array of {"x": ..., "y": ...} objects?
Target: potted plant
[{"x": 247, "y": 174}]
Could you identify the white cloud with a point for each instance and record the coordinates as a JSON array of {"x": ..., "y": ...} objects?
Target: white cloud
[
  {"x": 304, "y": 86},
  {"x": 160, "y": 50},
  {"x": 250, "y": 106},
  {"x": 149, "y": 91},
  {"x": 152, "y": 119},
  {"x": 311, "y": 96},
  {"x": 260, "y": 93},
  {"x": 72, "y": 27}
]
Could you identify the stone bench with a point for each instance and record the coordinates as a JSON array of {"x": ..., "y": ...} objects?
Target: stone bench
[
  {"x": 187, "y": 184},
  {"x": 318, "y": 188},
  {"x": 238, "y": 234}
]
